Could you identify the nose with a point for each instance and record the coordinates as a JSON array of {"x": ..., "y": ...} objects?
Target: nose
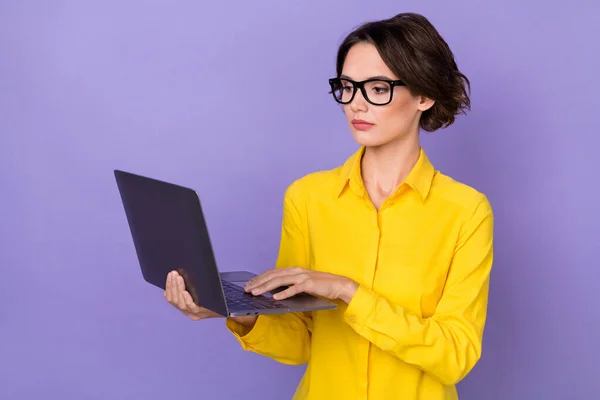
[{"x": 358, "y": 103}]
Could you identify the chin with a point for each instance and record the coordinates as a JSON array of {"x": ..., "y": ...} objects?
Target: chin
[{"x": 368, "y": 138}]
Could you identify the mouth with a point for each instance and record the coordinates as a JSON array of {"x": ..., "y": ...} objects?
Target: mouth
[{"x": 362, "y": 125}]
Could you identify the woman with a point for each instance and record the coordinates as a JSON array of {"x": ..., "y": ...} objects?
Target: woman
[{"x": 403, "y": 249}]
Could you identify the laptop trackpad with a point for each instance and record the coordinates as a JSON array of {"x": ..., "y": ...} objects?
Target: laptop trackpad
[{"x": 238, "y": 277}]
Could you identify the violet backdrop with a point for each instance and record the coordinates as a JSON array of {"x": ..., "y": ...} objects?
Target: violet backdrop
[{"x": 231, "y": 98}]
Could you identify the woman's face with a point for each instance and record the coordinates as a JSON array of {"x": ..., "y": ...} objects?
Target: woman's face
[{"x": 393, "y": 122}]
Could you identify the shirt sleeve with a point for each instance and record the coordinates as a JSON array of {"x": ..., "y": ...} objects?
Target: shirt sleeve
[
  {"x": 448, "y": 344},
  {"x": 283, "y": 337}
]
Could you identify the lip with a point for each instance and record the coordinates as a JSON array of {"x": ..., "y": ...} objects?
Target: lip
[{"x": 362, "y": 125}]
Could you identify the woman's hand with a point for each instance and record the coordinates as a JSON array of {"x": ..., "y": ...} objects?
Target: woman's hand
[
  {"x": 301, "y": 280},
  {"x": 181, "y": 299}
]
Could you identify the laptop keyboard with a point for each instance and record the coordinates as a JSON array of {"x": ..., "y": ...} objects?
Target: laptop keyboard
[{"x": 237, "y": 298}]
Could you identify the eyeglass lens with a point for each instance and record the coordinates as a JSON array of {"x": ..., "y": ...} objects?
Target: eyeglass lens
[{"x": 378, "y": 92}]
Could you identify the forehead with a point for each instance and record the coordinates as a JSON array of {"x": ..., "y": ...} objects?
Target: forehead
[{"x": 363, "y": 62}]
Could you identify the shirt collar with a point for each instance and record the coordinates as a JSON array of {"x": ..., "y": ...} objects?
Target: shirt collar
[{"x": 419, "y": 178}]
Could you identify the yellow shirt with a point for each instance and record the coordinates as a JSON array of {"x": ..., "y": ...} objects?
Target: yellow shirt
[{"x": 414, "y": 327}]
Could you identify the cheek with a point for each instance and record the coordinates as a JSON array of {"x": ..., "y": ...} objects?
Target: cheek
[
  {"x": 399, "y": 113},
  {"x": 387, "y": 117},
  {"x": 347, "y": 111}
]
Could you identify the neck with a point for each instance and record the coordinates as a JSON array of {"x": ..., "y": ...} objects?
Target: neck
[{"x": 385, "y": 167}]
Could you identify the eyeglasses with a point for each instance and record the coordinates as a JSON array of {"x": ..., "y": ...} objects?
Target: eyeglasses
[{"x": 378, "y": 92}]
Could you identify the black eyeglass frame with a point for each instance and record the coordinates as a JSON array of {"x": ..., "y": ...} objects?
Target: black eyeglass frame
[{"x": 361, "y": 85}]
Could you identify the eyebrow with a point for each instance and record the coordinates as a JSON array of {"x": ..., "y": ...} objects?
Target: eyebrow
[{"x": 382, "y": 77}]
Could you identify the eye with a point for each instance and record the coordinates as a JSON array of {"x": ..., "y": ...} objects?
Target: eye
[{"x": 381, "y": 89}]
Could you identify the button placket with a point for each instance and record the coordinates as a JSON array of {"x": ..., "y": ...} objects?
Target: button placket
[{"x": 373, "y": 251}]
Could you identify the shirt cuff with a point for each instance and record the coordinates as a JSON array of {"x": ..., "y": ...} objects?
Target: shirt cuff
[
  {"x": 361, "y": 306},
  {"x": 248, "y": 339}
]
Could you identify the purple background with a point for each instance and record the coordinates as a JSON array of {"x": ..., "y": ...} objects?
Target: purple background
[{"x": 232, "y": 100}]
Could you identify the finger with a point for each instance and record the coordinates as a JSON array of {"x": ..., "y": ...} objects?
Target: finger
[
  {"x": 289, "y": 292},
  {"x": 257, "y": 280},
  {"x": 176, "y": 292},
  {"x": 279, "y": 281},
  {"x": 175, "y": 300},
  {"x": 180, "y": 285},
  {"x": 194, "y": 310},
  {"x": 251, "y": 284},
  {"x": 189, "y": 302},
  {"x": 169, "y": 288},
  {"x": 270, "y": 275}
]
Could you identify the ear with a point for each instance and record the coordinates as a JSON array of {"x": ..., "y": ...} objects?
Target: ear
[{"x": 425, "y": 103}]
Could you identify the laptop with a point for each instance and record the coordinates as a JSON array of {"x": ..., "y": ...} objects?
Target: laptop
[{"x": 169, "y": 232}]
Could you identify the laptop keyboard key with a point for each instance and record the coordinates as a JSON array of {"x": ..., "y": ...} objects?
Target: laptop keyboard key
[{"x": 237, "y": 298}]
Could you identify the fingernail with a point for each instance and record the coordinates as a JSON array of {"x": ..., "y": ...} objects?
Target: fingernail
[{"x": 255, "y": 291}]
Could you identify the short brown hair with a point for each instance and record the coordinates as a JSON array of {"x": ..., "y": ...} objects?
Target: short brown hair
[{"x": 414, "y": 51}]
